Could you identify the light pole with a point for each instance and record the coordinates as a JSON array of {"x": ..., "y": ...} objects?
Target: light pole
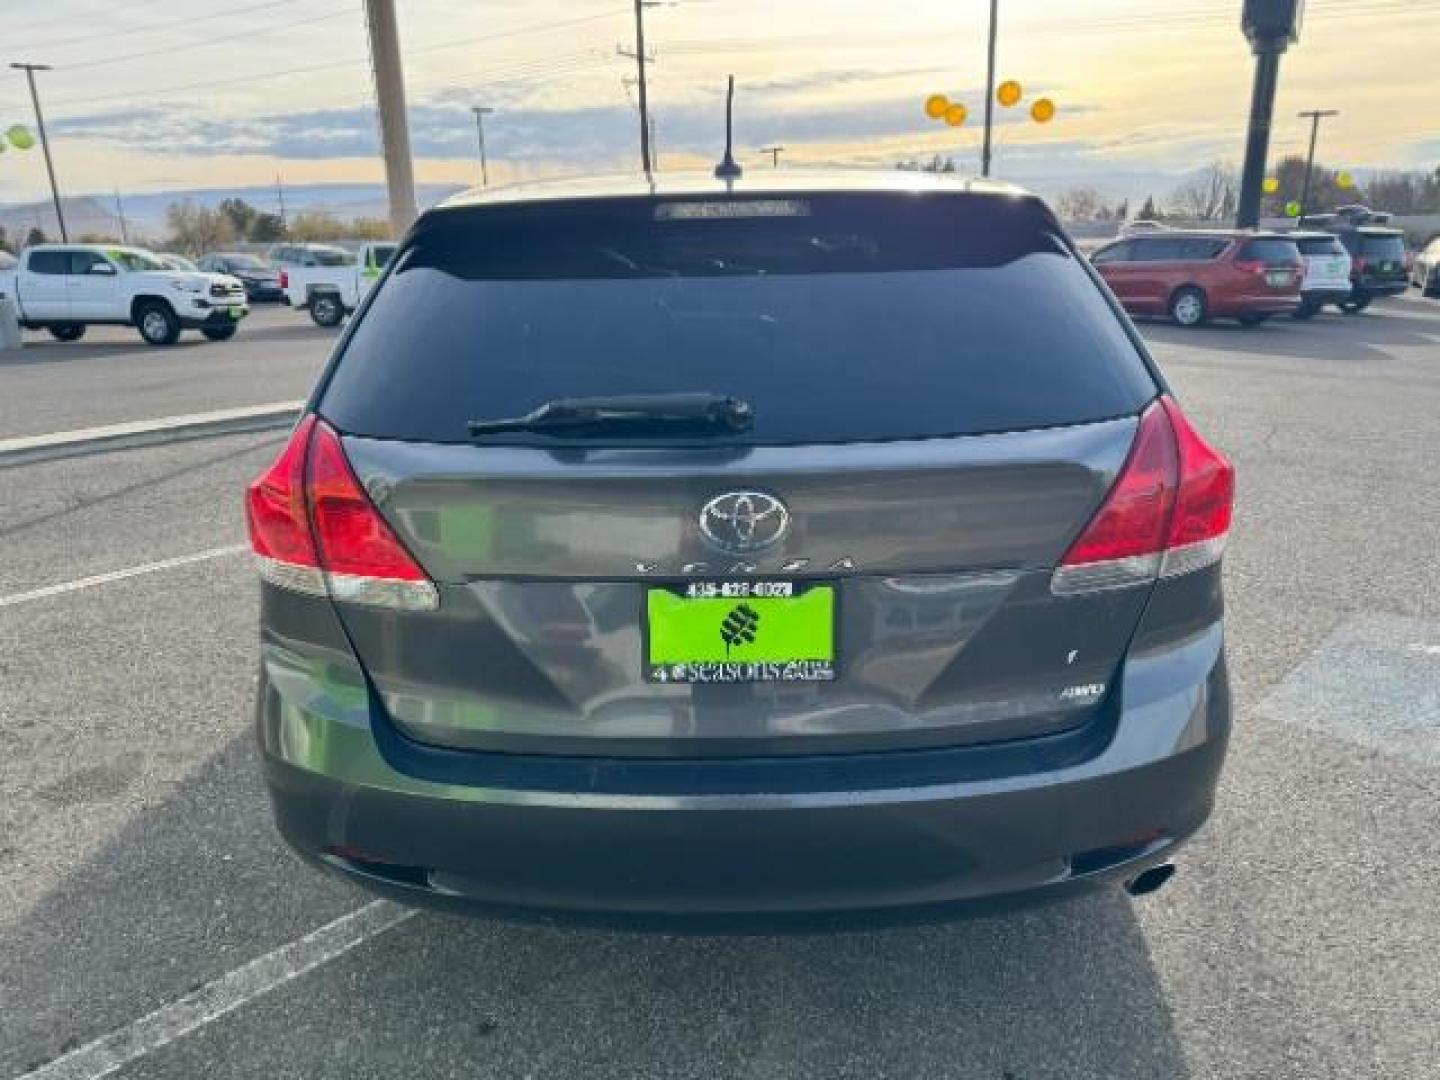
[
  {"x": 1270, "y": 26},
  {"x": 774, "y": 152},
  {"x": 481, "y": 111},
  {"x": 989, "y": 89},
  {"x": 1315, "y": 116},
  {"x": 30, "y": 70},
  {"x": 390, "y": 102}
]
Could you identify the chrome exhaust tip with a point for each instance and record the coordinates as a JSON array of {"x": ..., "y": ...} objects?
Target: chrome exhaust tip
[{"x": 1148, "y": 881}]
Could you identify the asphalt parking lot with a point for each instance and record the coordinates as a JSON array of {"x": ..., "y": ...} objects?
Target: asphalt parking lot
[{"x": 1301, "y": 937}]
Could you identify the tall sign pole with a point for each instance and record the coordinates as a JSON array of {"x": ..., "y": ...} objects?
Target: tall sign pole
[
  {"x": 1270, "y": 26},
  {"x": 390, "y": 100},
  {"x": 30, "y": 70}
]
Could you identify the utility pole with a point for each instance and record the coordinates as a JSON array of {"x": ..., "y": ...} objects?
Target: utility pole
[
  {"x": 481, "y": 111},
  {"x": 390, "y": 100},
  {"x": 280, "y": 199},
  {"x": 640, "y": 61},
  {"x": 989, "y": 89},
  {"x": 120, "y": 213},
  {"x": 30, "y": 70},
  {"x": 774, "y": 152},
  {"x": 1315, "y": 115},
  {"x": 1270, "y": 26}
]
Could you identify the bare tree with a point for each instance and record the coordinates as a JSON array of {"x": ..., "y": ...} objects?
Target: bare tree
[
  {"x": 1209, "y": 195},
  {"x": 196, "y": 229},
  {"x": 1080, "y": 204}
]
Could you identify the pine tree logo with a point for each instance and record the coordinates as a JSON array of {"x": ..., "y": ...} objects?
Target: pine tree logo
[{"x": 739, "y": 627}]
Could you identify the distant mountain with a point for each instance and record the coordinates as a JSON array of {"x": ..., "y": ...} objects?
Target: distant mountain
[{"x": 145, "y": 214}]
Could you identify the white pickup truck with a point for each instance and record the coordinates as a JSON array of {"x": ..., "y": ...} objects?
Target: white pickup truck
[
  {"x": 332, "y": 292},
  {"x": 63, "y": 288}
]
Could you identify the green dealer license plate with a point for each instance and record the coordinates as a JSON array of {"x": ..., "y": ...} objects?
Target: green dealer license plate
[{"x": 740, "y": 631}]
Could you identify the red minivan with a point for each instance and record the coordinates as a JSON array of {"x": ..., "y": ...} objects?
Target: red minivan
[{"x": 1195, "y": 276}]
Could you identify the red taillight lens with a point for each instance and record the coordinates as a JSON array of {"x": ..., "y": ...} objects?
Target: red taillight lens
[
  {"x": 350, "y": 534},
  {"x": 275, "y": 505},
  {"x": 1207, "y": 485},
  {"x": 1250, "y": 266},
  {"x": 284, "y": 279},
  {"x": 1359, "y": 264},
  {"x": 1135, "y": 515},
  {"x": 316, "y": 531},
  {"x": 1168, "y": 512}
]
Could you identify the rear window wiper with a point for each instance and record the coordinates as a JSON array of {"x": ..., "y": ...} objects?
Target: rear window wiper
[{"x": 632, "y": 414}]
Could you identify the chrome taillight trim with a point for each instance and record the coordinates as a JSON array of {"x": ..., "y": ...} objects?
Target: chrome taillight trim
[
  {"x": 292, "y": 576},
  {"x": 350, "y": 588},
  {"x": 1187, "y": 558},
  {"x": 1108, "y": 574},
  {"x": 384, "y": 592}
]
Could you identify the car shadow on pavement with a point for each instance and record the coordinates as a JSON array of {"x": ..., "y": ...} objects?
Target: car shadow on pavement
[
  {"x": 44, "y": 350},
  {"x": 1328, "y": 337},
  {"x": 200, "y": 884}
]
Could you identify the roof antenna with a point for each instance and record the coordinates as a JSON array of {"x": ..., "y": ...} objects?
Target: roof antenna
[{"x": 728, "y": 170}]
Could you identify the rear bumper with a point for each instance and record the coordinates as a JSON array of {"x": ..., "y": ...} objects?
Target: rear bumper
[
  {"x": 1326, "y": 294},
  {"x": 955, "y": 837},
  {"x": 1388, "y": 287},
  {"x": 1255, "y": 305}
]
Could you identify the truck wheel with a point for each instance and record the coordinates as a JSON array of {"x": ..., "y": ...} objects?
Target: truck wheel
[
  {"x": 70, "y": 331},
  {"x": 219, "y": 333},
  {"x": 326, "y": 309},
  {"x": 157, "y": 323}
]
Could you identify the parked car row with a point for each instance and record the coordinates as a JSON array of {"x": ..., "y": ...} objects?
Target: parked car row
[
  {"x": 65, "y": 288},
  {"x": 1194, "y": 275}
]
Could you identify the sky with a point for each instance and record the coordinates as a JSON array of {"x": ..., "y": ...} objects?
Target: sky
[{"x": 143, "y": 98}]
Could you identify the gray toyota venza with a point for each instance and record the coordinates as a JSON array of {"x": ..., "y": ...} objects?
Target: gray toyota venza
[{"x": 822, "y": 549}]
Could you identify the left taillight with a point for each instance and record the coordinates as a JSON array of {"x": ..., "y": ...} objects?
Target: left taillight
[{"x": 315, "y": 530}]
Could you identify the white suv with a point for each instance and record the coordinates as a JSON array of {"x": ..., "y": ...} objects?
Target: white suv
[
  {"x": 63, "y": 288},
  {"x": 1327, "y": 271}
]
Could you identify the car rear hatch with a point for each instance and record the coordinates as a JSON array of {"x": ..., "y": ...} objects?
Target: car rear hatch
[
  {"x": 1381, "y": 259},
  {"x": 1327, "y": 264},
  {"x": 1273, "y": 263},
  {"x": 938, "y": 400}
]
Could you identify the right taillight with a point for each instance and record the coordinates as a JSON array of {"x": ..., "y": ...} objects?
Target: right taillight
[
  {"x": 1167, "y": 513},
  {"x": 284, "y": 279},
  {"x": 315, "y": 530}
]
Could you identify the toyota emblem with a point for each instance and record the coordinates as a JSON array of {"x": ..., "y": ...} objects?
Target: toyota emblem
[{"x": 742, "y": 522}]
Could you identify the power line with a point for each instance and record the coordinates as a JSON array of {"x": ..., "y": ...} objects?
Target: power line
[
  {"x": 210, "y": 42},
  {"x": 205, "y": 84},
  {"x": 108, "y": 35}
]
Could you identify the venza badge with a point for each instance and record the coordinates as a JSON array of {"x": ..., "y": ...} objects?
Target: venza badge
[{"x": 742, "y": 522}]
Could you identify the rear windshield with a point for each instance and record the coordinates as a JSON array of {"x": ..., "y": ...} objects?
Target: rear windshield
[
  {"x": 1320, "y": 245},
  {"x": 1271, "y": 252},
  {"x": 841, "y": 318},
  {"x": 332, "y": 257},
  {"x": 1386, "y": 246}
]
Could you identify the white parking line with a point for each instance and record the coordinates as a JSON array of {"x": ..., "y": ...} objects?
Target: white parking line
[
  {"x": 120, "y": 575},
  {"x": 223, "y": 995}
]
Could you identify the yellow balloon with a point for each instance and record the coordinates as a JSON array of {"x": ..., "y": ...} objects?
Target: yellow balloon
[
  {"x": 1271, "y": 185},
  {"x": 935, "y": 106},
  {"x": 1043, "y": 111},
  {"x": 20, "y": 137},
  {"x": 1345, "y": 180},
  {"x": 1008, "y": 93},
  {"x": 955, "y": 114}
]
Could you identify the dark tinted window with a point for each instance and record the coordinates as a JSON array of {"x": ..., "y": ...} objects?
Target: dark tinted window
[
  {"x": 1166, "y": 249},
  {"x": 1383, "y": 246},
  {"x": 1197, "y": 248},
  {"x": 1271, "y": 252},
  {"x": 81, "y": 262},
  {"x": 49, "y": 262},
  {"x": 1320, "y": 245},
  {"x": 869, "y": 317},
  {"x": 1113, "y": 253}
]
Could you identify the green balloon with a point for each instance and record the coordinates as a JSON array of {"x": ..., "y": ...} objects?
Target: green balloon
[
  {"x": 1292, "y": 209},
  {"x": 20, "y": 137}
]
